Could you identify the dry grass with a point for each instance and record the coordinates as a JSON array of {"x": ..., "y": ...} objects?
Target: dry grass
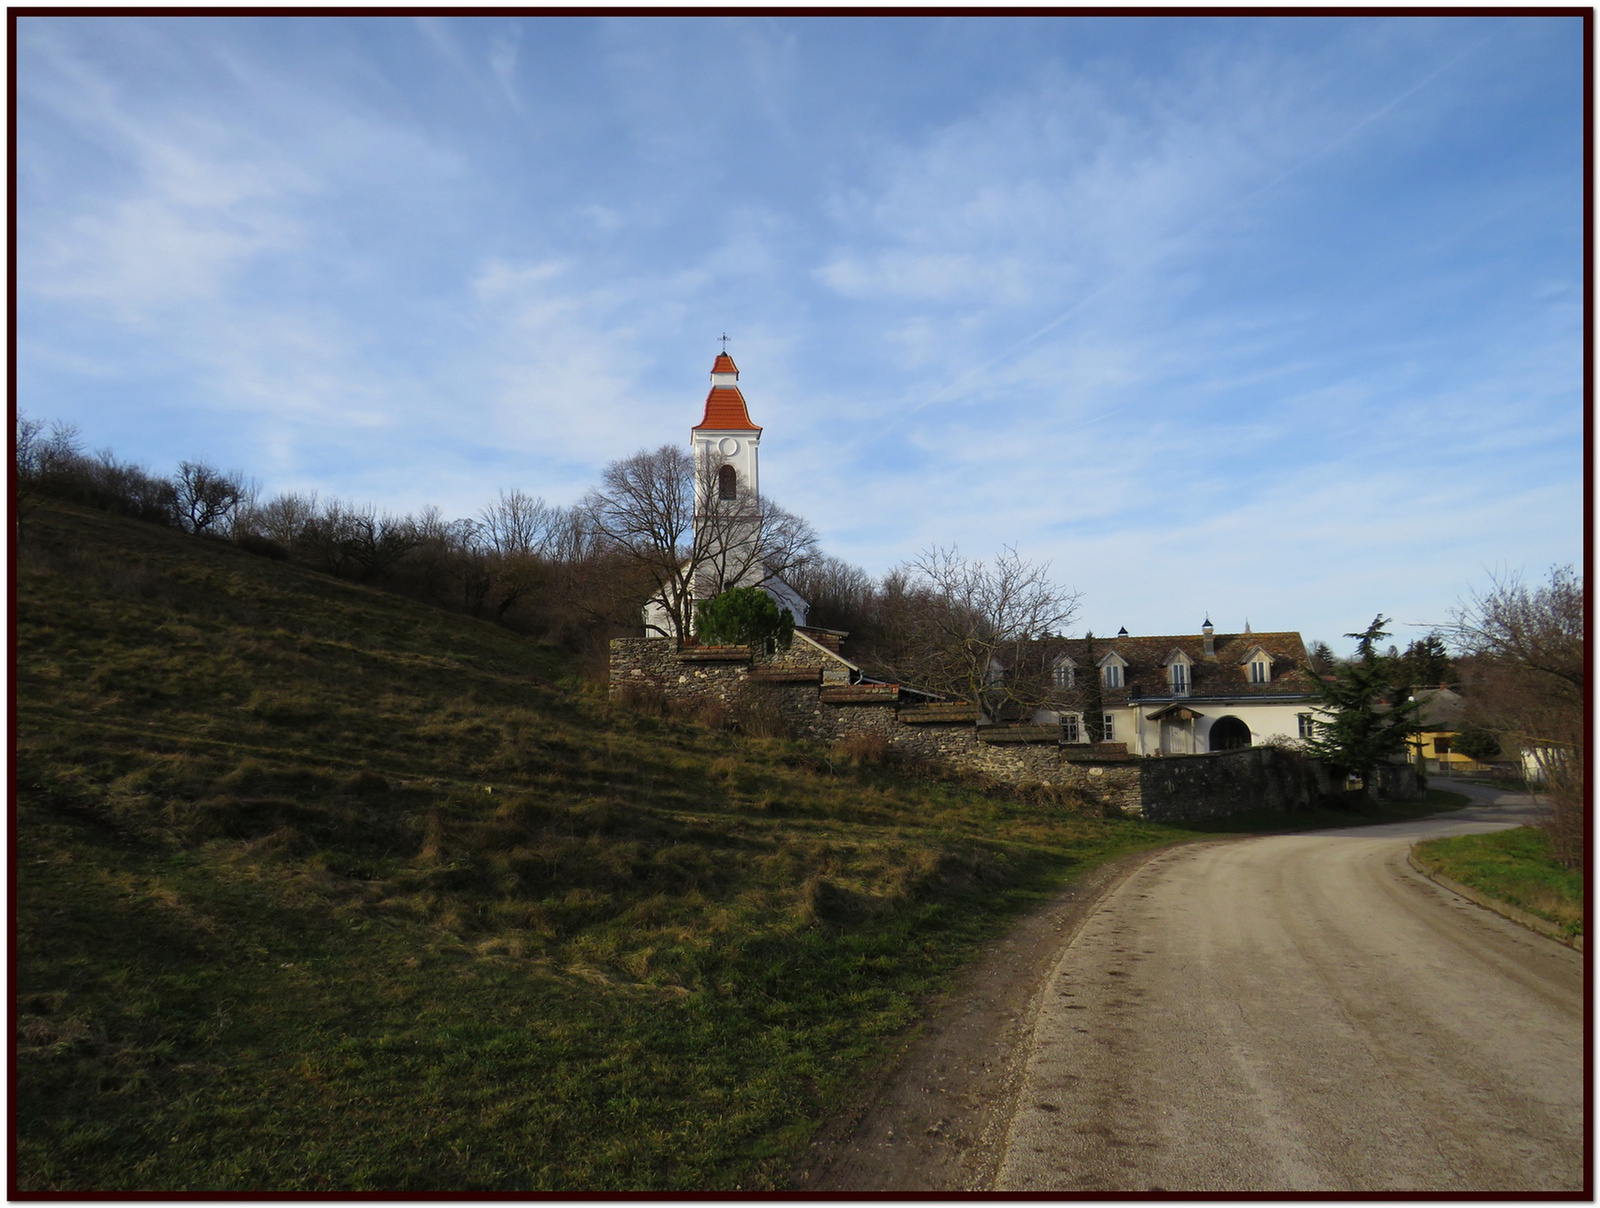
[{"x": 345, "y": 893}]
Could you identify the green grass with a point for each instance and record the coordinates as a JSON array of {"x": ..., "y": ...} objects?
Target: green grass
[
  {"x": 1515, "y": 866},
  {"x": 320, "y": 889}
]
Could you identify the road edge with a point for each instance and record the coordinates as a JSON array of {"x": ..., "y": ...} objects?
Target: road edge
[
  {"x": 938, "y": 1119},
  {"x": 1504, "y": 909}
]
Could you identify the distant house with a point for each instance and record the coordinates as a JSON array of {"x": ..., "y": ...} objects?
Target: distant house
[
  {"x": 1438, "y": 715},
  {"x": 1183, "y": 694}
]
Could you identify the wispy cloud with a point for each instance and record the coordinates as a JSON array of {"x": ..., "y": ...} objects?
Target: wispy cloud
[{"x": 1217, "y": 313}]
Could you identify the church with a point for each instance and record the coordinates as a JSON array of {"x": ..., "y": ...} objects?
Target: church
[
  {"x": 728, "y": 513},
  {"x": 1179, "y": 694}
]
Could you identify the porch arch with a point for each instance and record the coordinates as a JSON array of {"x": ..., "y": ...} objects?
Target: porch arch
[{"x": 1229, "y": 734}]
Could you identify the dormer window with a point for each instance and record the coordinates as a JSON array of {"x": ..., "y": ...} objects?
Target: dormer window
[
  {"x": 727, "y": 482},
  {"x": 1112, "y": 668},
  {"x": 1258, "y": 665},
  {"x": 1063, "y": 673},
  {"x": 1178, "y": 665}
]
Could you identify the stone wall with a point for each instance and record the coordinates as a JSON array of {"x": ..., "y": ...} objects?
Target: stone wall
[
  {"x": 795, "y": 686},
  {"x": 1190, "y": 788}
]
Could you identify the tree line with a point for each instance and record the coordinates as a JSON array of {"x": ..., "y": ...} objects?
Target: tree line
[
  {"x": 655, "y": 530},
  {"x": 659, "y": 530}
]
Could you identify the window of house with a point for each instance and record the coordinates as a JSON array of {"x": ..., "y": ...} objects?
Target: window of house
[
  {"x": 1180, "y": 679},
  {"x": 1441, "y": 745},
  {"x": 1108, "y": 727},
  {"x": 1063, "y": 674},
  {"x": 1069, "y": 727},
  {"x": 1258, "y": 671},
  {"x": 727, "y": 482},
  {"x": 1111, "y": 675},
  {"x": 1307, "y": 729}
]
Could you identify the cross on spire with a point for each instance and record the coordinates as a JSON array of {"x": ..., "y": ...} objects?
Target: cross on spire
[{"x": 724, "y": 341}]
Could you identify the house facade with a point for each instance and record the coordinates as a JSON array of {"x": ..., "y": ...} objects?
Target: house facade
[{"x": 1184, "y": 694}]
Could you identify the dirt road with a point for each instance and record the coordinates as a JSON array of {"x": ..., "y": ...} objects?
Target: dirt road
[{"x": 1302, "y": 1012}]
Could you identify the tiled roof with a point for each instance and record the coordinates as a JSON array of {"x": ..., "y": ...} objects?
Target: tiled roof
[
  {"x": 725, "y": 410},
  {"x": 724, "y": 364},
  {"x": 1223, "y": 675}
]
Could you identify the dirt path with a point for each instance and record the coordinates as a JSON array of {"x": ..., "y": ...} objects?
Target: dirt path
[
  {"x": 1304, "y": 1013},
  {"x": 939, "y": 1119}
]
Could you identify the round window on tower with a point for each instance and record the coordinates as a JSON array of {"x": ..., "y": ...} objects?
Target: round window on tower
[{"x": 727, "y": 446}]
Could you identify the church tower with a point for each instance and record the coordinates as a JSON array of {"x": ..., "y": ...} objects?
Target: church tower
[
  {"x": 727, "y": 485},
  {"x": 725, "y": 443},
  {"x": 727, "y": 505}
]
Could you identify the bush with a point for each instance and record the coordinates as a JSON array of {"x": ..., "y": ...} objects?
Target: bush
[
  {"x": 757, "y": 710},
  {"x": 743, "y": 616},
  {"x": 862, "y": 750}
]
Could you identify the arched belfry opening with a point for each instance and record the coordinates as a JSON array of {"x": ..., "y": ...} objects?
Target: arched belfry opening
[
  {"x": 1229, "y": 734},
  {"x": 727, "y": 482}
]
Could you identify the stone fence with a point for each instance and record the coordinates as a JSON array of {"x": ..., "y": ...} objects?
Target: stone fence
[{"x": 809, "y": 689}]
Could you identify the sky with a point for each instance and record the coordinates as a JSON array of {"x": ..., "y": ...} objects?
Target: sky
[{"x": 1274, "y": 320}]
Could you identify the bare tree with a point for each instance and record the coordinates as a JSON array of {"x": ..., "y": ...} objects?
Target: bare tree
[
  {"x": 971, "y": 628},
  {"x": 375, "y": 540},
  {"x": 646, "y": 510},
  {"x": 283, "y": 519},
  {"x": 519, "y": 525},
  {"x": 841, "y": 596},
  {"x": 207, "y": 497},
  {"x": 44, "y": 460},
  {"x": 1523, "y": 676}
]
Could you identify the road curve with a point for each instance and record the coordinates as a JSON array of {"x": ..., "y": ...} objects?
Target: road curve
[{"x": 1304, "y": 1013}]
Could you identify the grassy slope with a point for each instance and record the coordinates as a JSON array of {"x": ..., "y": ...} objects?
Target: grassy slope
[
  {"x": 317, "y": 888},
  {"x": 1515, "y": 866}
]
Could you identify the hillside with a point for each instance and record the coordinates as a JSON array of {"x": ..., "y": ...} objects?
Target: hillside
[{"x": 318, "y": 888}]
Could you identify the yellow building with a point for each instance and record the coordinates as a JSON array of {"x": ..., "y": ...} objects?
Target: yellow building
[{"x": 1440, "y": 714}]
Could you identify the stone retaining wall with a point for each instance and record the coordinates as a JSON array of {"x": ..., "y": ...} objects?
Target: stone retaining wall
[
  {"x": 816, "y": 705},
  {"x": 1191, "y": 788}
]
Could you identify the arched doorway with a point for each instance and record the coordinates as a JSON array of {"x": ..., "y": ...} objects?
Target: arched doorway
[{"x": 1229, "y": 734}]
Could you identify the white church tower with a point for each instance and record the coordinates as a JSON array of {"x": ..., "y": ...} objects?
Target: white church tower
[
  {"x": 726, "y": 445},
  {"x": 727, "y": 500}
]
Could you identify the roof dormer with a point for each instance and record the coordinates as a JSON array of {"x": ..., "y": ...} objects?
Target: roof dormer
[
  {"x": 1179, "y": 671},
  {"x": 1113, "y": 669},
  {"x": 1257, "y": 664},
  {"x": 1064, "y": 672}
]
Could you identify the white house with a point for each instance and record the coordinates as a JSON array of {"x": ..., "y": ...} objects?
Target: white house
[
  {"x": 1185, "y": 694},
  {"x": 727, "y": 484}
]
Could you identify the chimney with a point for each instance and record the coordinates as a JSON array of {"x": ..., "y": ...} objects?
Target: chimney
[{"x": 1211, "y": 642}]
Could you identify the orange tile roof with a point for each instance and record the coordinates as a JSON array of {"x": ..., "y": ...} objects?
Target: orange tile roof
[
  {"x": 724, "y": 364},
  {"x": 725, "y": 410}
]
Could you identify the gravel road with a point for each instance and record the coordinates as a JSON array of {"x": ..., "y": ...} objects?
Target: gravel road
[{"x": 1303, "y": 1013}]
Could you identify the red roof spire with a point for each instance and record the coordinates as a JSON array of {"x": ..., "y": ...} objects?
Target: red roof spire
[{"x": 725, "y": 409}]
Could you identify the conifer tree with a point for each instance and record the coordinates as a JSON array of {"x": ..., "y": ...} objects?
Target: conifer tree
[{"x": 1365, "y": 727}]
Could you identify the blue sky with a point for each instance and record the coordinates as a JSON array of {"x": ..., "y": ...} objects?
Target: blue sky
[{"x": 1271, "y": 318}]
